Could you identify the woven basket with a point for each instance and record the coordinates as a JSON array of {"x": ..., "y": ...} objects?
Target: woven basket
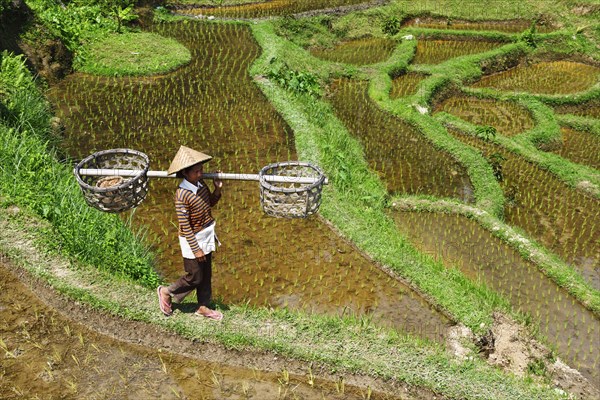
[
  {"x": 113, "y": 193},
  {"x": 291, "y": 199}
]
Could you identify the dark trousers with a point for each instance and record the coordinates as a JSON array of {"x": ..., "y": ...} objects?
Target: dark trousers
[{"x": 199, "y": 276}]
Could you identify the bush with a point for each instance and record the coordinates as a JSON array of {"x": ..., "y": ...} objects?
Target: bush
[{"x": 391, "y": 25}]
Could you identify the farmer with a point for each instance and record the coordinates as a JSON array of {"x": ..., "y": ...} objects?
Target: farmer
[{"x": 197, "y": 239}]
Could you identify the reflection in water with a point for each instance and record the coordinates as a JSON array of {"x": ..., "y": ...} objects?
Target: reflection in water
[
  {"x": 214, "y": 106},
  {"x": 458, "y": 241}
]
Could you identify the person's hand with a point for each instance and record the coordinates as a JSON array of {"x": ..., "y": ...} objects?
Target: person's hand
[
  {"x": 201, "y": 259},
  {"x": 218, "y": 182}
]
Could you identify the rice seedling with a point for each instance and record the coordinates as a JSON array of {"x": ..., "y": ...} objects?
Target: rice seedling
[
  {"x": 405, "y": 84},
  {"x": 438, "y": 51},
  {"x": 258, "y": 9},
  {"x": 510, "y": 26},
  {"x": 551, "y": 77},
  {"x": 580, "y": 147},
  {"x": 590, "y": 108},
  {"x": 399, "y": 153},
  {"x": 363, "y": 51},
  {"x": 507, "y": 117}
]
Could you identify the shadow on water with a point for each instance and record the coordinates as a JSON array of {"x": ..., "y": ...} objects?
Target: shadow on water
[
  {"x": 213, "y": 105},
  {"x": 458, "y": 241},
  {"x": 403, "y": 157}
]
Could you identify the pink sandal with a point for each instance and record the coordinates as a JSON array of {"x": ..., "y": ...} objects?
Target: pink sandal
[
  {"x": 212, "y": 314},
  {"x": 165, "y": 305}
]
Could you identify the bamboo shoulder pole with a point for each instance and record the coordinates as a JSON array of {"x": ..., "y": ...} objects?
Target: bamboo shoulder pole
[{"x": 220, "y": 175}]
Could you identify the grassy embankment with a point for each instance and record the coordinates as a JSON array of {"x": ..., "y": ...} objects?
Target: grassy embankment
[
  {"x": 98, "y": 35},
  {"x": 341, "y": 344}
]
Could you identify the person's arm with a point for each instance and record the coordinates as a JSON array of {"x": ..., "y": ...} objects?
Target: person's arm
[
  {"x": 183, "y": 213},
  {"x": 215, "y": 196}
]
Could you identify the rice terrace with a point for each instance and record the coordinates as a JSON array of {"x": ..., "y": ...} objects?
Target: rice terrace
[{"x": 448, "y": 244}]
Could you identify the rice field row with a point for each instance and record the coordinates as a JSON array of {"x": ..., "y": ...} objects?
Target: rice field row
[
  {"x": 546, "y": 77},
  {"x": 364, "y": 51},
  {"x": 405, "y": 160},
  {"x": 261, "y": 9},
  {"x": 509, "y": 26},
  {"x": 438, "y": 51},
  {"x": 564, "y": 220},
  {"x": 507, "y": 117}
]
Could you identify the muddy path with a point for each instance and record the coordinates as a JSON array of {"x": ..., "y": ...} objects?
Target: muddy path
[{"x": 53, "y": 348}]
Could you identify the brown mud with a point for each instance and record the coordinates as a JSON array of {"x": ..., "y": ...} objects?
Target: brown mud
[
  {"x": 580, "y": 147},
  {"x": 431, "y": 51}
]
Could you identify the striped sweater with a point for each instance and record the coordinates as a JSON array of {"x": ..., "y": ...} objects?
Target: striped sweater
[{"x": 194, "y": 212}]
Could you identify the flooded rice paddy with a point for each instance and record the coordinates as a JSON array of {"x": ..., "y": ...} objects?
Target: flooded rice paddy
[
  {"x": 439, "y": 51},
  {"x": 564, "y": 220},
  {"x": 580, "y": 147},
  {"x": 461, "y": 242},
  {"x": 261, "y": 9},
  {"x": 547, "y": 77},
  {"x": 508, "y": 117},
  {"x": 405, "y": 160},
  {"x": 406, "y": 84},
  {"x": 47, "y": 356},
  {"x": 369, "y": 50},
  {"x": 214, "y": 106},
  {"x": 514, "y": 26},
  {"x": 590, "y": 109}
]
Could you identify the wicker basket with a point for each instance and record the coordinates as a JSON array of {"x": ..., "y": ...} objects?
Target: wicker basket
[
  {"x": 114, "y": 194},
  {"x": 291, "y": 199}
]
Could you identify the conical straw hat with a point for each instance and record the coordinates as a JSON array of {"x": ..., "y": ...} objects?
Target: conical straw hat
[{"x": 186, "y": 157}]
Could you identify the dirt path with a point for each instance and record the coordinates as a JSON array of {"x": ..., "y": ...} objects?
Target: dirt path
[{"x": 56, "y": 348}]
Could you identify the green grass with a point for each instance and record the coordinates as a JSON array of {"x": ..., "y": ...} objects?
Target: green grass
[{"x": 134, "y": 53}]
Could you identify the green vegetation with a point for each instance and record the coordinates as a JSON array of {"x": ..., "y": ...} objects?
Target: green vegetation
[
  {"x": 31, "y": 176},
  {"x": 134, "y": 53},
  {"x": 97, "y": 35}
]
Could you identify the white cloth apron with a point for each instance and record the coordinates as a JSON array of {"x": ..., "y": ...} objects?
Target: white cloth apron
[{"x": 207, "y": 240}]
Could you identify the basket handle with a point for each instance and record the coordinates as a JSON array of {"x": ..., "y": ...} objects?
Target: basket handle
[{"x": 215, "y": 175}]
